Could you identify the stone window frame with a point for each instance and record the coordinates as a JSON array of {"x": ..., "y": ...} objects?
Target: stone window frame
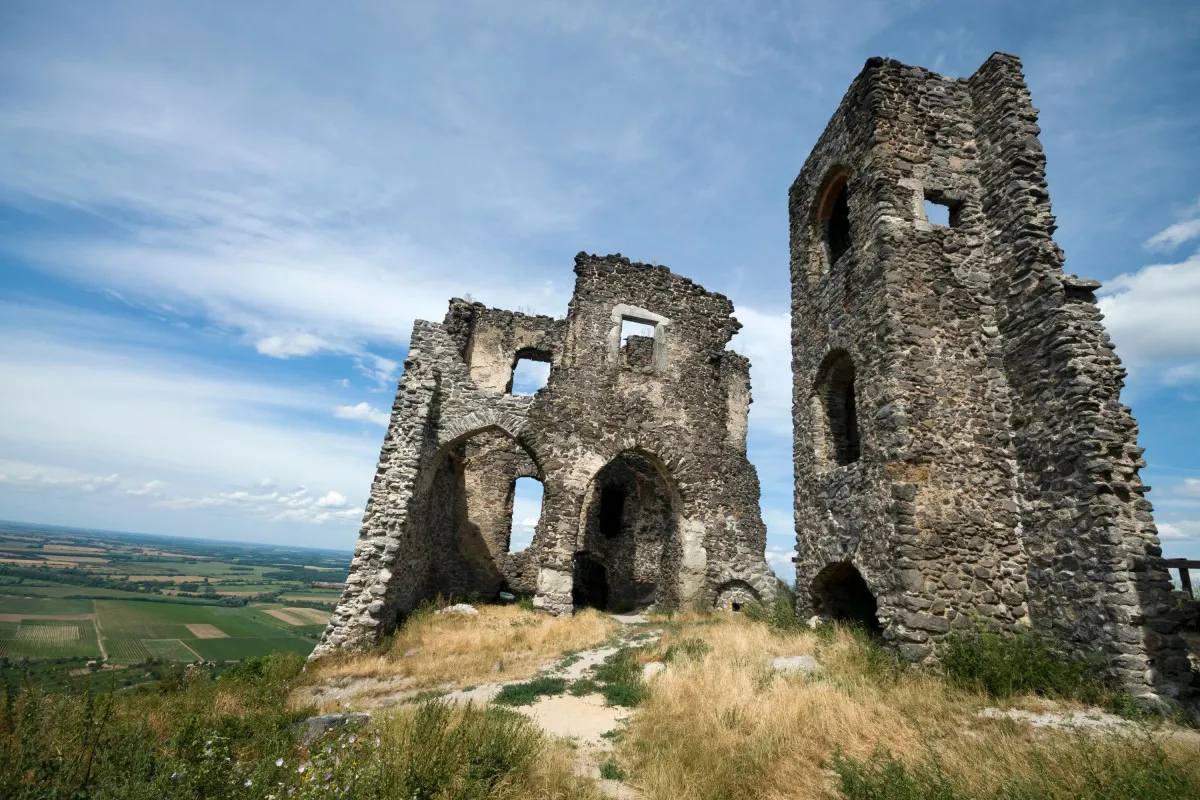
[
  {"x": 528, "y": 354},
  {"x": 623, "y": 312},
  {"x": 839, "y": 436},
  {"x": 837, "y": 179},
  {"x": 956, "y": 200}
]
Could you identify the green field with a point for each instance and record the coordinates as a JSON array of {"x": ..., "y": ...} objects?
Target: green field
[
  {"x": 113, "y": 581},
  {"x": 43, "y": 605},
  {"x": 135, "y": 631},
  {"x": 48, "y": 639}
]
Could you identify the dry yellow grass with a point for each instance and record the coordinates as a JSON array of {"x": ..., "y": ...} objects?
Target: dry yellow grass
[
  {"x": 466, "y": 649},
  {"x": 726, "y": 725}
]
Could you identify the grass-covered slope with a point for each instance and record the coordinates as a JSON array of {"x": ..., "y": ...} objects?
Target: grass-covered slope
[{"x": 719, "y": 722}]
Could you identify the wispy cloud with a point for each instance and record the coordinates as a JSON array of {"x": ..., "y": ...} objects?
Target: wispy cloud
[{"x": 362, "y": 412}]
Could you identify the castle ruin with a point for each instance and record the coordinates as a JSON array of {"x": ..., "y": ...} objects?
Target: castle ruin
[
  {"x": 961, "y": 451},
  {"x": 639, "y": 442}
]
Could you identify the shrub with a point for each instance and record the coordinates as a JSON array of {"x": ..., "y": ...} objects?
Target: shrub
[
  {"x": 584, "y": 686},
  {"x": 610, "y": 770},
  {"x": 522, "y": 694},
  {"x": 778, "y": 613},
  {"x": 1004, "y": 664}
]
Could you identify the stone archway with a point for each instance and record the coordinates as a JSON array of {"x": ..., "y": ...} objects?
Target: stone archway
[
  {"x": 840, "y": 593},
  {"x": 629, "y": 550},
  {"x": 465, "y": 512}
]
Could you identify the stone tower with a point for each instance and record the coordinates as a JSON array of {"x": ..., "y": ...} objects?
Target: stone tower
[
  {"x": 639, "y": 441},
  {"x": 961, "y": 451}
]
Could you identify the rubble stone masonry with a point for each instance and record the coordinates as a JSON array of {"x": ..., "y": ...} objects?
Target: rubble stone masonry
[
  {"x": 961, "y": 452},
  {"x": 640, "y": 446}
]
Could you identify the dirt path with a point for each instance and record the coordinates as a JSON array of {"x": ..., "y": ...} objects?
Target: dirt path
[
  {"x": 583, "y": 719},
  {"x": 99, "y": 632}
]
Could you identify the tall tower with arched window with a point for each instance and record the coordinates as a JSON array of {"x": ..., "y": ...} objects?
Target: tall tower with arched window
[{"x": 962, "y": 456}]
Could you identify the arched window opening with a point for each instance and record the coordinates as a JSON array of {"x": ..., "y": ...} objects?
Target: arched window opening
[
  {"x": 835, "y": 389},
  {"x": 839, "y": 593},
  {"x": 526, "y": 513},
  {"x": 612, "y": 511},
  {"x": 833, "y": 217}
]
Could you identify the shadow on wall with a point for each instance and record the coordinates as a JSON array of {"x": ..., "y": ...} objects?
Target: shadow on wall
[
  {"x": 839, "y": 593},
  {"x": 629, "y": 551}
]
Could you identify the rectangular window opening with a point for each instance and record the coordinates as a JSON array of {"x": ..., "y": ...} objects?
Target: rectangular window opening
[
  {"x": 942, "y": 212},
  {"x": 637, "y": 345},
  {"x": 529, "y": 375},
  {"x": 526, "y": 512},
  {"x": 631, "y": 327}
]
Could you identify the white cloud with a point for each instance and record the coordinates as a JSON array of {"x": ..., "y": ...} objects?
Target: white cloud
[
  {"x": 1189, "y": 488},
  {"x": 199, "y": 429},
  {"x": 331, "y": 499},
  {"x": 38, "y": 476},
  {"x": 1172, "y": 236},
  {"x": 296, "y": 344},
  {"x": 1152, "y": 316},
  {"x": 362, "y": 412},
  {"x": 1180, "y": 530},
  {"x": 149, "y": 488}
]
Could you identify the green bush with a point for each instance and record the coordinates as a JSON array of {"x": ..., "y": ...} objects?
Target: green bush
[
  {"x": 584, "y": 686},
  {"x": 1004, "y": 664},
  {"x": 778, "y": 613},
  {"x": 522, "y": 694},
  {"x": 610, "y": 770}
]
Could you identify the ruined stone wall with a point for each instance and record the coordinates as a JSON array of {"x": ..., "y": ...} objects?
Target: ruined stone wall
[
  {"x": 959, "y": 407},
  {"x": 662, "y": 417}
]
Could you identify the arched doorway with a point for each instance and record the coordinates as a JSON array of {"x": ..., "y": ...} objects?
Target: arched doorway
[
  {"x": 628, "y": 554},
  {"x": 840, "y": 593},
  {"x": 465, "y": 513}
]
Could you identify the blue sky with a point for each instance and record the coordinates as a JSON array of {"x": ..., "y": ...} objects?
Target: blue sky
[{"x": 218, "y": 220}]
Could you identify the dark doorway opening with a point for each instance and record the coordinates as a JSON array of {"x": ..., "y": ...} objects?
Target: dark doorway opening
[
  {"x": 840, "y": 593},
  {"x": 612, "y": 511},
  {"x": 590, "y": 585}
]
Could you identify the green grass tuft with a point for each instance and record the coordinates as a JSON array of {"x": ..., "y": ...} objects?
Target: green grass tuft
[
  {"x": 523, "y": 694},
  {"x": 610, "y": 770},
  {"x": 1005, "y": 664}
]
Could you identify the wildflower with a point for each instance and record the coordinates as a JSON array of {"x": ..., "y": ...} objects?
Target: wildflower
[
  {"x": 248, "y": 782},
  {"x": 301, "y": 768},
  {"x": 208, "y": 752},
  {"x": 279, "y": 762},
  {"x": 352, "y": 737}
]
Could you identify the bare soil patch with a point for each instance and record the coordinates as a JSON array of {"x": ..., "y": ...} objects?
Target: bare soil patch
[{"x": 206, "y": 631}]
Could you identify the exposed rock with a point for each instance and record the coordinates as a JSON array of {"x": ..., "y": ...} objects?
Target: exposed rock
[
  {"x": 630, "y": 619},
  {"x": 315, "y": 727},
  {"x": 652, "y": 668},
  {"x": 795, "y": 665},
  {"x": 458, "y": 608}
]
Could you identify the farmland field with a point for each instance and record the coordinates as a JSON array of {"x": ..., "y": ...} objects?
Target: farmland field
[
  {"x": 154, "y": 599},
  {"x": 42, "y": 638}
]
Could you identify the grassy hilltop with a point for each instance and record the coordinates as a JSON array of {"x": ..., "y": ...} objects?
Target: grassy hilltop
[{"x": 717, "y": 722}]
